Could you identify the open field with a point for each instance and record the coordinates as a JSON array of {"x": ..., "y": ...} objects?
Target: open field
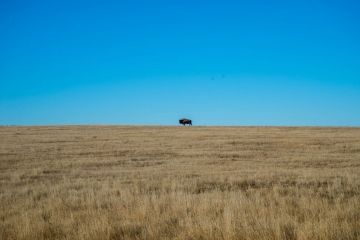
[{"x": 114, "y": 182}]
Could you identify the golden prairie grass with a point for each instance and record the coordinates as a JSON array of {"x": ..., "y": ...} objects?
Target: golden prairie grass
[{"x": 109, "y": 182}]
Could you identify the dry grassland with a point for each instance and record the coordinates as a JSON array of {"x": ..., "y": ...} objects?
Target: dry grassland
[{"x": 114, "y": 182}]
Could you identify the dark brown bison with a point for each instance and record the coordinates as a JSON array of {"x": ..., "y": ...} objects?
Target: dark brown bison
[{"x": 185, "y": 121}]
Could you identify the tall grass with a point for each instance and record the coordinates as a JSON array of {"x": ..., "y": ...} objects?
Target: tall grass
[{"x": 179, "y": 183}]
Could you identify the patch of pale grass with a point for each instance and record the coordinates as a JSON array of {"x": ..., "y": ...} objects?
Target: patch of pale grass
[{"x": 179, "y": 183}]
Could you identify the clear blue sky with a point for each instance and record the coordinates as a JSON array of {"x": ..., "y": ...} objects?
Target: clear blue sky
[{"x": 152, "y": 62}]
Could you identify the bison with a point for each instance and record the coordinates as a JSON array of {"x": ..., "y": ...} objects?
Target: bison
[{"x": 185, "y": 121}]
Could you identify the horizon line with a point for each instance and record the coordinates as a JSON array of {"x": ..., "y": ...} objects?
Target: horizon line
[{"x": 177, "y": 125}]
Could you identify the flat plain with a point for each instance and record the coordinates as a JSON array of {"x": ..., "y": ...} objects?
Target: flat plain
[{"x": 124, "y": 182}]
